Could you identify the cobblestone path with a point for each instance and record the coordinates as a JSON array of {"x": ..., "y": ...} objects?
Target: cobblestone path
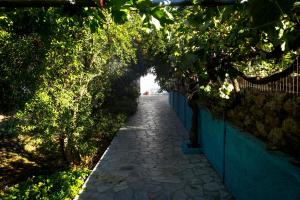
[{"x": 145, "y": 161}]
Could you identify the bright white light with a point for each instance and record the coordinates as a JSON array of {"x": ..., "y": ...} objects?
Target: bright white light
[
  {"x": 169, "y": 2},
  {"x": 148, "y": 84}
]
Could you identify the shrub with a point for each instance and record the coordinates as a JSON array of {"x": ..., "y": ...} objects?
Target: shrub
[{"x": 61, "y": 185}]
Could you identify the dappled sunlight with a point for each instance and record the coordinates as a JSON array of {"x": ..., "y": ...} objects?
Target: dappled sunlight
[
  {"x": 15, "y": 163},
  {"x": 145, "y": 160},
  {"x": 133, "y": 128}
]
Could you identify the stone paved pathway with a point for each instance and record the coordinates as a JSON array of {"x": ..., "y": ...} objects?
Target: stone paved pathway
[{"x": 145, "y": 161}]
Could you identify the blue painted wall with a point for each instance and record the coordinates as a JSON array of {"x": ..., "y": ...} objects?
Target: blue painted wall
[
  {"x": 249, "y": 170},
  {"x": 170, "y": 98},
  {"x": 188, "y": 117},
  {"x": 181, "y": 106},
  {"x": 252, "y": 172},
  {"x": 184, "y": 120},
  {"x": 212, "y": 139}
]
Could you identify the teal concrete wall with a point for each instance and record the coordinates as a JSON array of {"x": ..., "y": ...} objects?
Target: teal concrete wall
[
  {"x": 252, "y": 172},
  {"x": 179, "y": 103},
  {"x": 188, "y": 117},
  {"x": 212, "y": 139},
  {"x": 248, "y": 169},
  {"x": 170, "y": 98},
  {"x": 181, "y": 111}
]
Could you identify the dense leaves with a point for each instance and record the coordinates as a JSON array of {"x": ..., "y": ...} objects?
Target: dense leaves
[
  {"x": 215, "y": 45},
  {"x": 59, "y": 71},
  {"x": 61, "y": 185}
]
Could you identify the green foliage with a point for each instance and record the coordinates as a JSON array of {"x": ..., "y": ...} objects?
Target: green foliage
[
  {"x": 70, "y": 74},
  {"x": 61, "y": 185},
  {"x": 20, "y": 82},
  {"x": 265, "y": 14},
  {"x": 62, "y": 81},
  {"x": 205, "y": 44}
]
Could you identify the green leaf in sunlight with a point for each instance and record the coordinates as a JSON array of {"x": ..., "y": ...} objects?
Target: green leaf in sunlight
[
  {"x": 155, "y": 22},
  {"x": 142, "y": 4},
  {"x": 283, "y": 46}
]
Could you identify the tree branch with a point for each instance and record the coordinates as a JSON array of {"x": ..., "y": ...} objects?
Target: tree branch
[
  {"x": 47, "y": 3},
  {"x": 265, "y": 80},
  {"x": 93, "y": 3}
]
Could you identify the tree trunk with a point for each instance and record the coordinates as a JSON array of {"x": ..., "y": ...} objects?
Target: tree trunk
[
  {"x": 71, "y": 152},
  {"x": 192, "y": 102},
  {"x": 62, "y": 148},
  {"x": 194, "y": 129}
]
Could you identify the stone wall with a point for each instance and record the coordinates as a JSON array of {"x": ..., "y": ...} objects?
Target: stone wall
[{"x": 274, "y": 118}]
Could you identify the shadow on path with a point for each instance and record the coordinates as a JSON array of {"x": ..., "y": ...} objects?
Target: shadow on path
[{"x": 145, "y": 161}]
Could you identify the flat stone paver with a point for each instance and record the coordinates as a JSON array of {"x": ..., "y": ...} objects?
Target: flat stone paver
[{"x": 145, "y": 161}]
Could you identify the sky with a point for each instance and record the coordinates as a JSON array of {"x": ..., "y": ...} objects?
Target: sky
[{"x": 147, "y": 83}]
